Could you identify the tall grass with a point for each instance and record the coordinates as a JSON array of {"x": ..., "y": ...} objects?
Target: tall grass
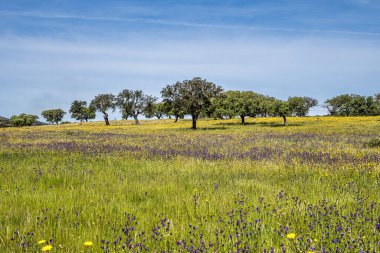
[{"x": 161, "y": 187}]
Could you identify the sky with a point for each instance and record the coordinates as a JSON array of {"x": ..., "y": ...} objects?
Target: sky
[{"x": 54, "y": 52}]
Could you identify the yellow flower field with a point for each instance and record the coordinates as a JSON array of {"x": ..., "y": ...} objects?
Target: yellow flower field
[{"x": 312, "y": 186}]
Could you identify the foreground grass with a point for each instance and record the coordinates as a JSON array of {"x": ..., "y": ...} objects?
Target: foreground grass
[{"x": 147, "y": 201}]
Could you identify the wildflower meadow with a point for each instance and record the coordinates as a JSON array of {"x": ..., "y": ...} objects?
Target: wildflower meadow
[{"x": 312, "y": 186}]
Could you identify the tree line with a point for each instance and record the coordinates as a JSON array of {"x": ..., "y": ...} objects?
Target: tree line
[{"x": 201, "y": 98}]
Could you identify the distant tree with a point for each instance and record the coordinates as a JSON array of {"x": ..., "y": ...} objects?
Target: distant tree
[
  {"x": 311, "y": 102},
  {"x": 77, "y": 109},
  {"x": 133, "y": 103},
  {"x": 23, "y": 119},
  {"x": 191, "y": 97},
  {"x": 172, "y": 101},
  {"x": 80, "y": 111},
  {"x": 196, "y": 96},
  {"x": 352, "y": 105},
  {"x": 150, "y": 106},
  {"x": 267, "y": 106},
  {"x": 159, "y": 110},
  {"x": 339, "y": 105},
  {"x": 300, "y": 106},
  {"x": 219, "y": 108},
  {"x": 239, "y": 103},
  {"x": 89, "y": 113},
  {"x": 281, "y": 109},
  {"x": 53, "y": 115},
  {"x": 4, "y": 122},
  {"x": 210, "y": 111},
  {"x": 243, "y": 104},
  {"x": 103, "y": 103},
  {"x": 376, "y": 97},
  {"x": 155, "y": 110},
  {"x": 361, "y": 105}
]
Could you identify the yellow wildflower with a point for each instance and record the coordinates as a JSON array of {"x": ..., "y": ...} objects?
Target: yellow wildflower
[
  {"x": 315, "y": 240},
  {"x": 291, "y": 236},
  {"x": 88, "y": 244},
  {"x": 47, "y": 248},
  {"x": 41, "y": 241}
]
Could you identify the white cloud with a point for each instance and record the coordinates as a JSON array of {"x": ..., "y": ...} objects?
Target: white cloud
[{"x": 42, "y": 73}]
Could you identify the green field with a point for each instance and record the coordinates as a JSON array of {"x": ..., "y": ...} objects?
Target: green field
[{"x": 161, "y": 187}]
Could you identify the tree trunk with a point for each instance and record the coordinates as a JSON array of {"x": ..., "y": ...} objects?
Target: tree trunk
[
  {"x": 242, "y": 120},
  {"x": 176, "y": 119},
  {"x": 194, "y": 119},
  {"x": 105, "y": 116},
  {"x": 285, "y": 123},
  {"x": 136, "y": 120}
]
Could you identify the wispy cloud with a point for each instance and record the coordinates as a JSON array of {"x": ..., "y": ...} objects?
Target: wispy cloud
[
  {"x": 51, "y": 55},
  {"x": 168, "y": 22},
  {"x": 62, "y": 71}
]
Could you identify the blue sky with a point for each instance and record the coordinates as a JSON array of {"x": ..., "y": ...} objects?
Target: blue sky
[{"x": 53, "y": 52}]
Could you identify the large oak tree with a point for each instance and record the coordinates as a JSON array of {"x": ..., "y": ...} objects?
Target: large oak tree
[
  {"x": 80, "y": 111},
  {"x": 352, "y": 105},
  {"x": 172, "y": 101},
  {"x": 240, "y": 103},
  {"x": 103, "y": 103},
  {"x": 53, "y": 115},
  {"x": 133, "y": 103},
  {"x": 300, "y": 106},
  {"x": 193, "y": 96}
]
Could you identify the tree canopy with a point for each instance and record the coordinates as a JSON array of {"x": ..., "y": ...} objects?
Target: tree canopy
[
  {"x": 201, "y": 98},
  {"x": 53, "y": 115},
  {"x": 191, "y": 96},
  {"x": 155, "y": 109},
  {"x": 240, "y": 103},
  {"x": 282, "y": 109},
  {"x": 172, "y": 101},
  {"x": 80, "y": 111},
  {"x": 133, "y": 103},
  {"x": 5, "y": 122},
  {"x": 353, "y": 105},
  {"x": 300, "y": 106},
  {"x": 103, "y": 103},
  {"x": 23, "y": 119}
]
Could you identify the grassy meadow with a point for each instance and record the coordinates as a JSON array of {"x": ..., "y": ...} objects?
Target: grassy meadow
[{"x": 313, "y": 186}]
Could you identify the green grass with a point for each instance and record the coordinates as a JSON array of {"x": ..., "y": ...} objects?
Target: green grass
[{"x": 70, "y": 195}]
